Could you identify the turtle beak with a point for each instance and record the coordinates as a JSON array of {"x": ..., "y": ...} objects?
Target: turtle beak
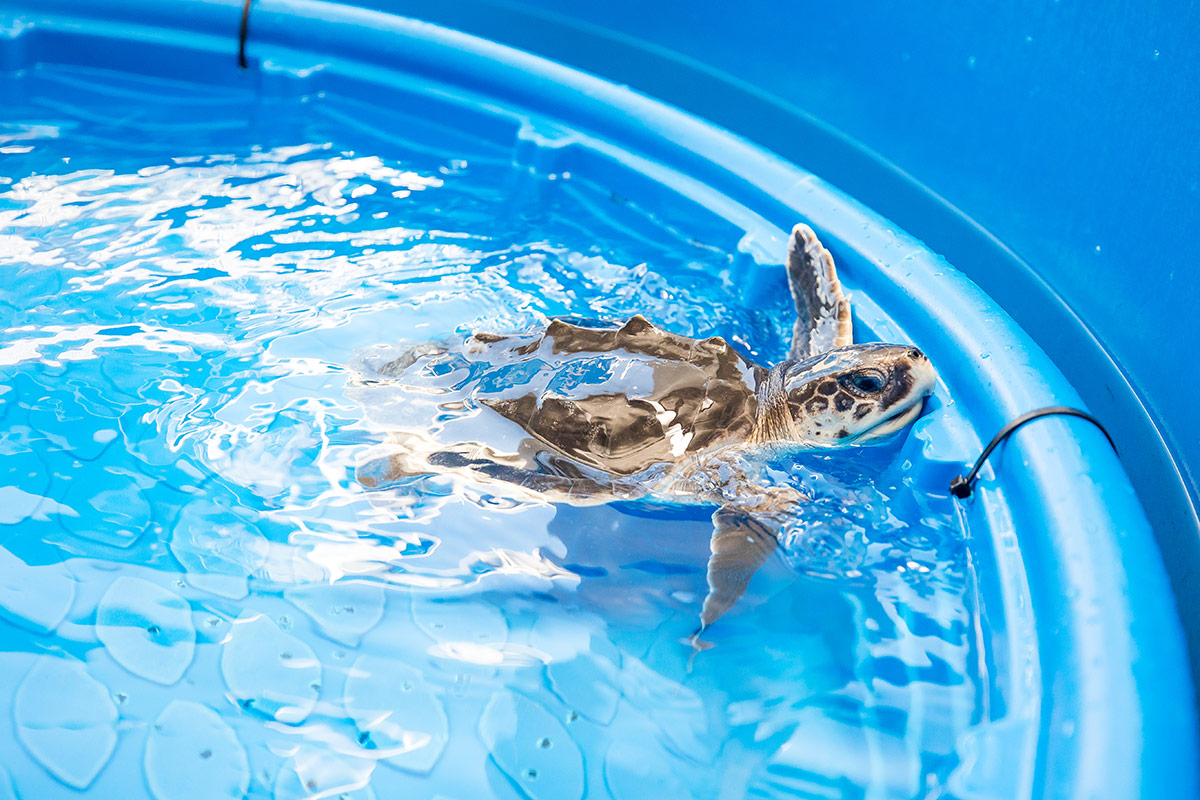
[
  {"x": 895, "y": 423},
  {"x": 924, "y": 379}
]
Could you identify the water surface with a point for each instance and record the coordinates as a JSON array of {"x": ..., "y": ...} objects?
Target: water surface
[{"x": 199, "y": 600}]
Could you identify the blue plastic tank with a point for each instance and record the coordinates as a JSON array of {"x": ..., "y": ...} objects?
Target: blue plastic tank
[{"x": 984, "y": 182}]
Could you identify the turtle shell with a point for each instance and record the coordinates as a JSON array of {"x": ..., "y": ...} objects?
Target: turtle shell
[
  {"x": 620, "y": 400},
  {"x": 624, "y": 399}
]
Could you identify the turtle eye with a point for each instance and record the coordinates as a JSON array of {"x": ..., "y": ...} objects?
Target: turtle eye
[{"x": 864, "y": 382}]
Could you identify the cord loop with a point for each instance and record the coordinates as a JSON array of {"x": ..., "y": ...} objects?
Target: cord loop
[{"x": 961, "y": 487}]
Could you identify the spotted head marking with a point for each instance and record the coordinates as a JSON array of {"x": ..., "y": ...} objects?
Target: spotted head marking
[{"x": 853, "y": 395}]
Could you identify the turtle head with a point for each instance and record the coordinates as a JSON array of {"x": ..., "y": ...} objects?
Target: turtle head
[{"x": 854, "y": 395}]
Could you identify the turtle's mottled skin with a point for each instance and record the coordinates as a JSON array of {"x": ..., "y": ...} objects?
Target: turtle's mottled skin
[{"x": 608, "y": 413}]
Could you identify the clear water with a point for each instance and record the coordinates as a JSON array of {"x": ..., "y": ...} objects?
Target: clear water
[{"x": 198, "y": 599}]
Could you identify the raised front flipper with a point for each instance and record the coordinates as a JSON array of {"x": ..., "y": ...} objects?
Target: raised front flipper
[{"x": 822, "y": 310}]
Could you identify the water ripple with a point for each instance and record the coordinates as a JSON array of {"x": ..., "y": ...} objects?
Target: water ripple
[{"x": 184, "y": 298}]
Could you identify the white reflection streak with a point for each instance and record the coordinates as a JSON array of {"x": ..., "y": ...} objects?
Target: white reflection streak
[
  {"x": 504, "y": 654},
  {"x": 352, "y": 558},
  {"x": 517, "y": 562},
  {"x": 162, "y": 340}
]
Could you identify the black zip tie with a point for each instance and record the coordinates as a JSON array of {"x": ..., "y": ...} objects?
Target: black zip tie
[
  {"x": 242, "y": 34},
  {"x": 961, "y": 487}
]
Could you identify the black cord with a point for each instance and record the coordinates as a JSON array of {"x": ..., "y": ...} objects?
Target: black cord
[
  {"x": 242, "y": 34},
  {"x": 961, "y": 488}
]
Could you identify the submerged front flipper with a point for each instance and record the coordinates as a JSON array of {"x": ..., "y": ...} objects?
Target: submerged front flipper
[{"x": 742, "y": 541}]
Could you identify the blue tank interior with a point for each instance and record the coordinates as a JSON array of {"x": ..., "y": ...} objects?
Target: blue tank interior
[{"x": 1049, "y": 155}]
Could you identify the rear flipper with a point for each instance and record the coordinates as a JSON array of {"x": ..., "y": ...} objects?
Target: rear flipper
[
  {"x": 415, "y": 456},
  {"x": 556, "y": 487}
]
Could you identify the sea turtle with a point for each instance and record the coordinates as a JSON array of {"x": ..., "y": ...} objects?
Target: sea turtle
[{"x": 613, "y": 412}]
